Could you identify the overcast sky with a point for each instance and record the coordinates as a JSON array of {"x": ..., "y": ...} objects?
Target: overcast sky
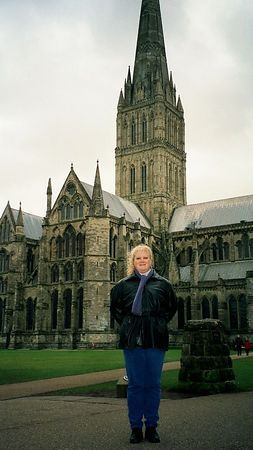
[{"x": 63, "y": 63}]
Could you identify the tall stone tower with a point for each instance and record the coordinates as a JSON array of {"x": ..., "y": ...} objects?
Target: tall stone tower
[{"x": 150, "y": 154}]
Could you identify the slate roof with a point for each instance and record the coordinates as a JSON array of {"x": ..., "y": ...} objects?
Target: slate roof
[
  {"x": 211, "y": 214},
  {"x": 225, "y": 270},
  {"x": 32, "y": 224},
  {"x": 119, "y": 206}
]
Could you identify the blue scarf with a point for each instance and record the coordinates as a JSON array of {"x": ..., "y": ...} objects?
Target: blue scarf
[{"x": 137, "y": 303}]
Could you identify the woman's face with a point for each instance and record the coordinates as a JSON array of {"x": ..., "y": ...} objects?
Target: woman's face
[{"x": 142, "y": 261}]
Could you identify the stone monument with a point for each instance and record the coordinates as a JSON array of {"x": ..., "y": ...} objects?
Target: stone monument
[{"x": 206, "y": 366}]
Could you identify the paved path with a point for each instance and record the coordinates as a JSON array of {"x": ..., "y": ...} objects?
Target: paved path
[
  {"x": 218, "y": 422},
  {"x": 15, "y": 390}
]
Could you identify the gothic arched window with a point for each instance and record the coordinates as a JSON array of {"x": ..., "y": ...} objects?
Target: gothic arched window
[
  {"x": 67, "y": 298},
  {"x": 59, "y": 247},
  {"x": 68, "y": 211},
  {"x": 4, "y": 261},
  {"x": 80, "y": 271},
  {"x": 53, "y": 251},
  {"x": 188, "y": 309},
  {"x": 170, "y": 178},
  {"x": 75, "y": 210},
  {"x": 133, "y": 132},
  {"x": 30, "y": 314},
  {"x": 62, "y": 209},
  {"x": 80, "y": 242},
  {"x": 113, "y": 272},
  {"x": 233, "y": 313},
  {"x": 69, "y": 242},
  {"x": 239, "y": 249},
  {"x": 205, "y": 308},
  {"x": 78, "y": 209},
  {"x": 111, "y": 242},
  {"x": 114, "y": 246},
  {"x": 214, "y": 251},
  {"x": 243, "y": 312},
  {"x": 5, "y": 229},
  {"x": 189, "y": 255},
  {"x": 126, "y": 132},
  {"x": 180, "y": 313},
  {"x": 176, "y": 181},
  {"x": 144, "y": 130},
  {"x": 215, "y": 311},
  {"x": 80, "y": 307},
  {"x": 245, "y": 245},
  {"x": 68, "y": 272},
  {"x": 55, "y": 274},
  {"x": 220, "y": 248},
  {"x": 30, "y": 261},
  {"x": 132, "y": 180},
  {"x": 54, "y": 307},
  {"x": 226, "y": 250},
  {"x": 143, "y": 177},
  {"x": 81, "y": 209}
]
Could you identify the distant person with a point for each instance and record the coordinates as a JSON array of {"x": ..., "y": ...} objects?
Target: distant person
[
  {"x": 247, "y": 345},
  {"x": 238, "y": 345},
  {"x": 143, "y": 303}
]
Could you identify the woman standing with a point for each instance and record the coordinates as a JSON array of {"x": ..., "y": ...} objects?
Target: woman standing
[
  {"x": 143, "y": 303},
  {"x": 247, "y": 345}
]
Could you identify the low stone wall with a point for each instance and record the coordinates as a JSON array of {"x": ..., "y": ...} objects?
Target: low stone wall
[{"x": 206, "y": 366}]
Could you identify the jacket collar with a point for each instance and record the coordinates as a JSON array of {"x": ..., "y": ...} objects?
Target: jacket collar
[{"x": 134, "y": 276}]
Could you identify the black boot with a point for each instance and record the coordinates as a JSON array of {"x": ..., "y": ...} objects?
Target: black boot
[
  {"x": 136, "y": 436},
  {"x": 151, "y": 435}
]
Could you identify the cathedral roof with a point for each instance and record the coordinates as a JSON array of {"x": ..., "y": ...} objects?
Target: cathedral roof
[
  {"x": 225, "y": 270},
  {"x": 119, "y": 206},
  {"x": 212, "y": 214},
  {"x": 32, "y": 224}
]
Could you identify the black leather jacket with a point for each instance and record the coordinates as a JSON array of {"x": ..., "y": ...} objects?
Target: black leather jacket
[{"x": 159, "y": 305}]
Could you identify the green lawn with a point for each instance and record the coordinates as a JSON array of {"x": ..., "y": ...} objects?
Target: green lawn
[
  {"x": 25, "y": 365},
  {"x": 243, "y": 369}
]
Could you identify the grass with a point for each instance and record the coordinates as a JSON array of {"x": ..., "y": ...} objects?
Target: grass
[
  {"x": 27, "y": 365},
  {"x": 243, "y": 369}
]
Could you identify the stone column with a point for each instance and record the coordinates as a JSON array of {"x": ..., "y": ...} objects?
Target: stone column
[{"x": 206, "y": 367}]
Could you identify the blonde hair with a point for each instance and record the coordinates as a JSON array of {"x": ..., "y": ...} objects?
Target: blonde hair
[{"x": 138, "y": 248}]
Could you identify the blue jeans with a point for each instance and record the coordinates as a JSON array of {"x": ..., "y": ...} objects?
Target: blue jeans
[{"x": 144, "y": 368}]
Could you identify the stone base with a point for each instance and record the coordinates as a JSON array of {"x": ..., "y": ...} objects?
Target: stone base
[
  {"x": 206, "y": 367},
  {"x": 206, "y": 388},
  {"x": 121, "y": 388}
]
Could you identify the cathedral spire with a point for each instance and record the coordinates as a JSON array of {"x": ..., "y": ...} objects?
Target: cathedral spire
[
  {"x": 97, "y": 201},
  {"x": 150, "y": 127},
  {"x": 49, "y": 197},
  {"x": 150, "y": 55},
  {"x": 20, "y": 222}
]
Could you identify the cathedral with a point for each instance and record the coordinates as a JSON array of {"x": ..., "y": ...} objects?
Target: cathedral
[{"x": 56, "y": 272}]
